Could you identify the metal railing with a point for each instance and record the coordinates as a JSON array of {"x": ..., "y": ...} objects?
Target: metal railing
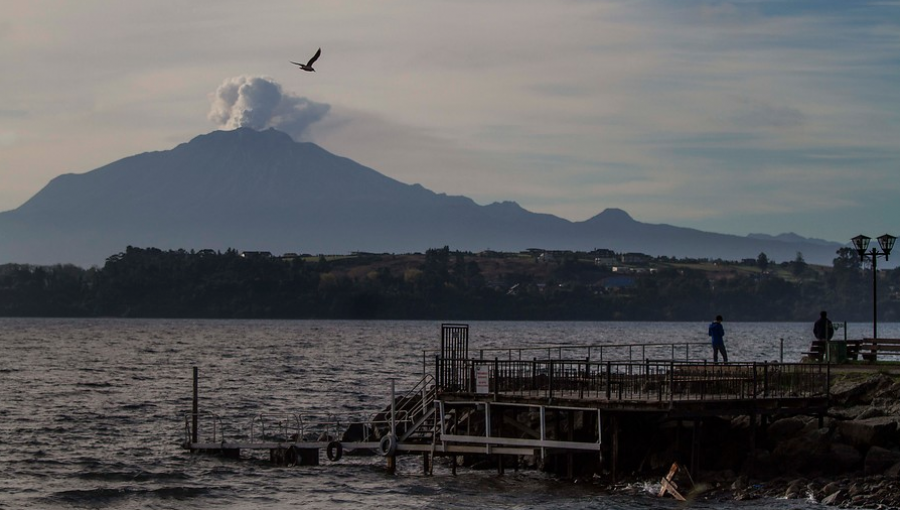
[
  {"x": 648, "y": 380},
  {"x": 211, "y": 428},
  {"x": 265, "y": 428},
  {"x": 678, "y": 351},
  {"x": 405, "y": 416}
]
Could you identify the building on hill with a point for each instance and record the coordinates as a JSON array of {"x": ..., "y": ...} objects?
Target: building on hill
[
  {"x": 604, "y": 257},
  {"x": 256, "y": 254},
  {"x": 636, "y": 258}
]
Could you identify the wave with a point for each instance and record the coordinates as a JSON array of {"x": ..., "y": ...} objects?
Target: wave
[{"x": 107, "y": 496}]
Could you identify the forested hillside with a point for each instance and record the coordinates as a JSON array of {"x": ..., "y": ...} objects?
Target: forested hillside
[{"x": 445, "y": 285}]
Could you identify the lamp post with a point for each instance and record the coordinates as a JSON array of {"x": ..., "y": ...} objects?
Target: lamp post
[{"x": 862, "y": 244}]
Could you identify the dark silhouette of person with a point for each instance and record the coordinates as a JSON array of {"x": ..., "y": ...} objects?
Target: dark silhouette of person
[
  {"x": 717, "y": 333},
  {"x": 823, "y": 329}
]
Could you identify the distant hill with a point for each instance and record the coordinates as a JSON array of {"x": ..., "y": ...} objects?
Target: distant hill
[
  {"x": 262, "y": 191},
  {"x": 790, "y": 237}
]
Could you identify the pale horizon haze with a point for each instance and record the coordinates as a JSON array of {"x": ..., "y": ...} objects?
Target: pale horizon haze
[{"x": 732, "y": 117}]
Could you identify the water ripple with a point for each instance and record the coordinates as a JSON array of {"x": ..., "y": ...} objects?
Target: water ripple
[{"x": 92, "y": 410}]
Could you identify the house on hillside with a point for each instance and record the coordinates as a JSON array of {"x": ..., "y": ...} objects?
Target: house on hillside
[
  {"x": 636, "y": 258},
  {"x": 604, "y": 258}
]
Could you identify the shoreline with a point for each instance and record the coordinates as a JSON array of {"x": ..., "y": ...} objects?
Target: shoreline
[{"x": 851, "y": 461}]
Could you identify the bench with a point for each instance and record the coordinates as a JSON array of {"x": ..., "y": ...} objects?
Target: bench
[
  {"x": 870, "y": 347},
  {"x": 817, "y": 348}
]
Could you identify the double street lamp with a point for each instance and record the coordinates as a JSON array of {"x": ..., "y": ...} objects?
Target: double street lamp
[{"x": 862, "y": 245}]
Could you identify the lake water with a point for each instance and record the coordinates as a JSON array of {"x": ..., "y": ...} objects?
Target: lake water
[{"x": 91, "y": 410}]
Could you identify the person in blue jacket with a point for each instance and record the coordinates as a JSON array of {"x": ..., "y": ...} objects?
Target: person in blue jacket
[{"x": 717, "y": 332}]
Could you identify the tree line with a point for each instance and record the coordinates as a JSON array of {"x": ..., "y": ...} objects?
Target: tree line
[{"x": 441, "y": 285}]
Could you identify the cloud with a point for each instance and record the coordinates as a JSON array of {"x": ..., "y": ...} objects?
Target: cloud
[
  {"x": 8, "y": 138},
  {"x": 761, "y": 114},
  {"x": 259, "y": 102}
]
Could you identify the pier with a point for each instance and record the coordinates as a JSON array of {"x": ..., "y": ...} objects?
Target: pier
[{"x": 566, "y": 408}]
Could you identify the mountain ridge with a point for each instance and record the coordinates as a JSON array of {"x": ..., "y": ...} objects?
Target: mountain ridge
[{"x": 263, "y": 191}]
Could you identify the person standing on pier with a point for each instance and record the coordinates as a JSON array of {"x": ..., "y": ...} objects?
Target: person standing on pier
[
  {"x": 717, "y": 333},
  {"x": 823, "y": 328}
]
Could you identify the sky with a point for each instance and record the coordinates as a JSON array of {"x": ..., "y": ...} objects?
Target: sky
[{"x": 733, "y": 117}]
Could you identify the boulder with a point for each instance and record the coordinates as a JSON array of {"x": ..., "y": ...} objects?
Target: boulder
[
  {"x": 804, "y": 453},
  {"x": 888, "y": 406},
  {"x": 889, "y": 394},
  {"x": 834, "y": 499},
  {"x": 784, "y": 428},
  {"x": 863, "y": 434},
  {"x": 854, "y": 392},
  {"x": 796, "y": 489},
  {"x": 879, "y": 460},
  {"x": 847, "y": 413},
  {"x": 893, "y": 471},
  {"x": 831, "y": 488},
  {"x": 845, "y": 457},
  {"x": 870, "y": 412}
]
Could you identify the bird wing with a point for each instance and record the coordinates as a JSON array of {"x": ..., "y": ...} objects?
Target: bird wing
[
  {"x": 314, "y": 57},
  {"x": 296, "y": 63}
]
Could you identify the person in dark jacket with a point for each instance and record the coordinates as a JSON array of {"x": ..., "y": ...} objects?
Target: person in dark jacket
[
  {"x": 717, "y": 333},
  {"x": 823, "y": 328}
]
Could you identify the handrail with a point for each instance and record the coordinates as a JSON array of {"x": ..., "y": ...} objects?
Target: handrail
[
  {"x": 646, "y": 380},
  {"x": 599, "y": 349},
  {"x": 426, "y": 389},
  {"x": 294, "y": 428},
  {"x": 188, "y": 425},
  {"x": 600, "y": 352},
  {"x": 282, "y": 426}
]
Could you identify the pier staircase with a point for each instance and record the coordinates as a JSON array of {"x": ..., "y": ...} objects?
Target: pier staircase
[{"x": 413, "y": 415}]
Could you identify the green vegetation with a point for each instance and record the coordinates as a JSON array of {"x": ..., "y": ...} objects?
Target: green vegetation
[{"x": 445, "y": 285}]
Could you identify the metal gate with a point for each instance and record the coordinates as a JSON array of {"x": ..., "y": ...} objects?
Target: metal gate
[{"x": 454, "y": 353}]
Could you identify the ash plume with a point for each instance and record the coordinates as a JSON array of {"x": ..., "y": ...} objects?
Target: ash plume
[{"x": 259, "y": 102}]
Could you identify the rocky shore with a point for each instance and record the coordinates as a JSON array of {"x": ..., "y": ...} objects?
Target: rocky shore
[{"x": 849, "y": 458}]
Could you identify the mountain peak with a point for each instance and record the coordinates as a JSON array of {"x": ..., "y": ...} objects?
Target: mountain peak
[
  {"x": 262, "y": 190},
  {"x": 612, "y": 215},
  {"x": 242, "y": 135},
  {"x": 789, "y": 237}
]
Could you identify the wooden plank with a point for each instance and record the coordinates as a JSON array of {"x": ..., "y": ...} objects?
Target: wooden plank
[
  {"x": 667, "y": 479},
  {"x": 669, "y": 485},
  {"x": 880, "y": 347}
]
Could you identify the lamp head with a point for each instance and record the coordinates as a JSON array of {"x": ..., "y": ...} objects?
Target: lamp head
[
  {"x": 887, "y": 244},
  {"x": 861, "y": 243}
]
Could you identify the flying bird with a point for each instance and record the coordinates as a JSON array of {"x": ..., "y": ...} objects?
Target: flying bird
[{"x": 309, "y": 65}]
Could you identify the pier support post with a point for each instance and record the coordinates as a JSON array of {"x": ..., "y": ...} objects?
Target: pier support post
[
  {"x": 570, "y": 458},
  {"x": 391, "y": 465},
  {"x": 697, "y": 434},
  {"x": 615, "y": 448},
  {"x": 194, "y": 410},
  {"x": 754, "y": 431}
]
